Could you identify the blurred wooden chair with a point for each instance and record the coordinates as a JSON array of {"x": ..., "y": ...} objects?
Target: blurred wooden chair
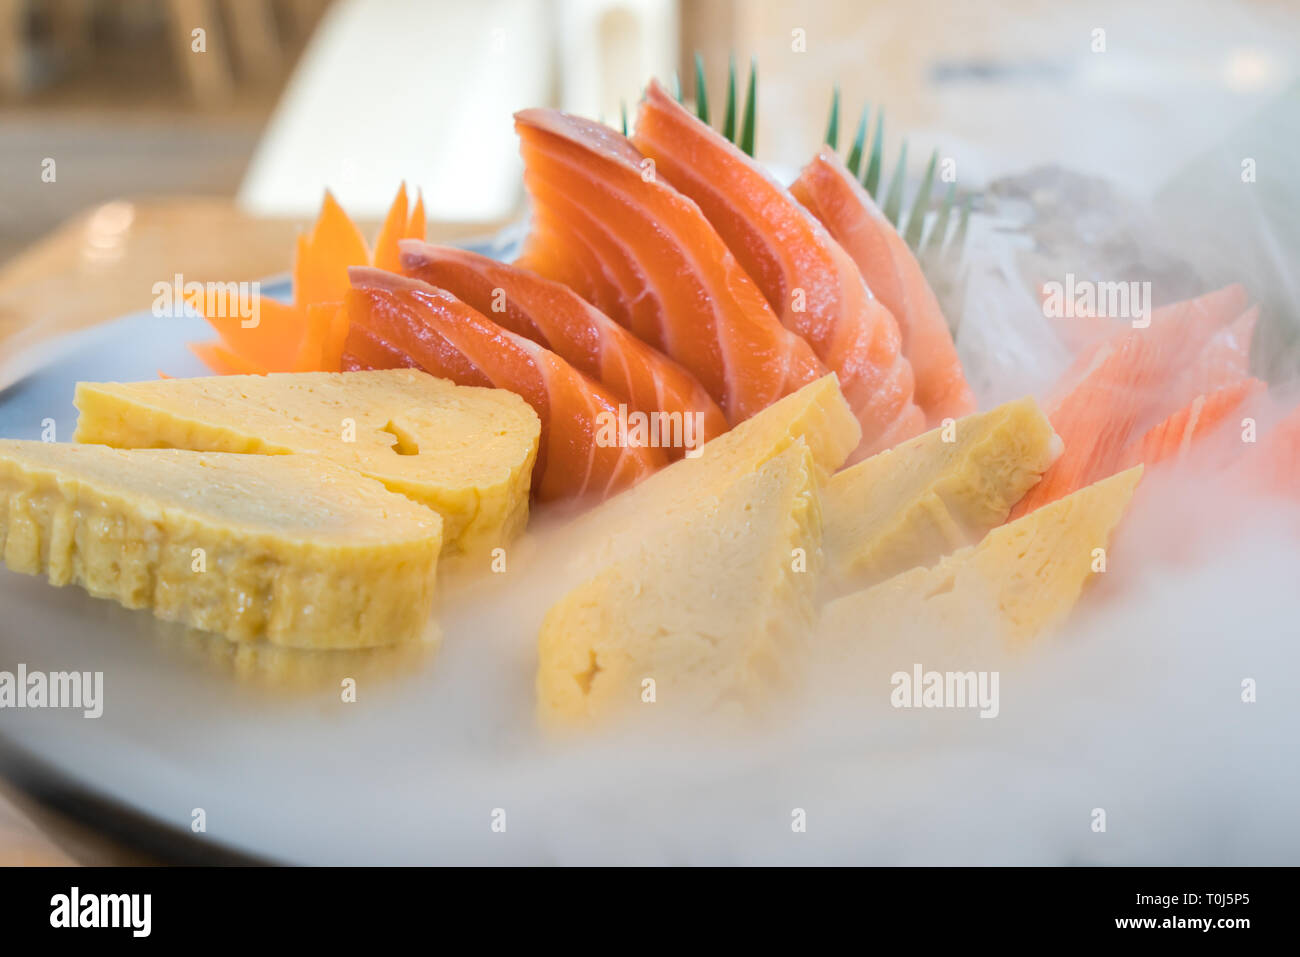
[{"x": 244, "y": 41}]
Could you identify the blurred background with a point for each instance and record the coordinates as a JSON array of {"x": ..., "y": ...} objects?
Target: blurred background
[
  {"x": 146, "y": 138},
  {"x": 270, "y": 101}
]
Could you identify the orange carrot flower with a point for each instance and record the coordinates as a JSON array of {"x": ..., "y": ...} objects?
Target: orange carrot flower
[{"x": 307, "y": 335}]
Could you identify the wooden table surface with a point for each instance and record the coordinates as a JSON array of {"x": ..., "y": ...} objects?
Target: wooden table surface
[
  {"x": 22, "y": 841},
  {"x": 104, "y": 262},
  {"x": 100, "y": 265}
]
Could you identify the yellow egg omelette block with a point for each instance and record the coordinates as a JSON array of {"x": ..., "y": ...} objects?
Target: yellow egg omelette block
[
  {"x": 712, "y": 612},
  {"x": 934, "y": 493},
  {"x": 817, "y": 414},
  {"x": 291, "y": 549},
  {"x": 465, "y": 452},
  {"x": 1021, "y": 581}
]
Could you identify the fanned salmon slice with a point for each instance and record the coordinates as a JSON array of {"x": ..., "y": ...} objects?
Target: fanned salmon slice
[
  {"x": 1225, "y": 358},
  {"x": 624, "y": 284},
  {"x": 451, "y": 339},
  {"x": 1173, "y": 437},
  {"x": 553, "y": 315},
  {"x": 1124, "y": 386},
  {"x": 1276, "y": 464},
  {"x": 594, "y": 258},
  {"x": 693, "y": 301},
  {"x": 578, "y": 268},
  {"x": 365, "y": 349},
  {"x": 1180, "y": 330},
  {"x": 809, "y": 281},
  {"x": 834, "y": 195},
  {"x": 392, "y": 318},
  {"x": 1097, "y": 421}
]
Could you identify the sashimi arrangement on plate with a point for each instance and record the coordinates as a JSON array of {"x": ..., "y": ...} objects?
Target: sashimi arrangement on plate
[{"x": 720, "y": 425}]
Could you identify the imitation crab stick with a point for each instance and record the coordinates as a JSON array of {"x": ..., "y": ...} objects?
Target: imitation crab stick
[
  {"x": 833, "y": 194},
  {"x": 810, "y": 282},
  {"x": 451, "y": 339},
  {"x": 607, "y": 224},
  {"x": 554, "y": 316}
]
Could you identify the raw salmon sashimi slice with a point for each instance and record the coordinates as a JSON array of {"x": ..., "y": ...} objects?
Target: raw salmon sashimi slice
[
  {"x": 1172, "y": 438},
  {"x": 807, "y": 278},
  {"x": 1225, "y": 358},
  {"x": 581, "y": 251},
  {"x": 365, "y": 349},
  {"x": 834, "y": 195},
  {"x": 595, "y": 197},
  {"x": 1179, "y": 330},
  {"x": 1096, "y": 422},
  {"x": 1276, "y": 462},
  {"x": 1124, "y": 387},
  {"x": 556, "y": 317},
  {"x": 389, "y": 328},
  {"x": 451, "y": 339}
]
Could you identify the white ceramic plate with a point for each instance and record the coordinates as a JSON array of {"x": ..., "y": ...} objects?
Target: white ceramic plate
[{"x": 1139, "y": 714}]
